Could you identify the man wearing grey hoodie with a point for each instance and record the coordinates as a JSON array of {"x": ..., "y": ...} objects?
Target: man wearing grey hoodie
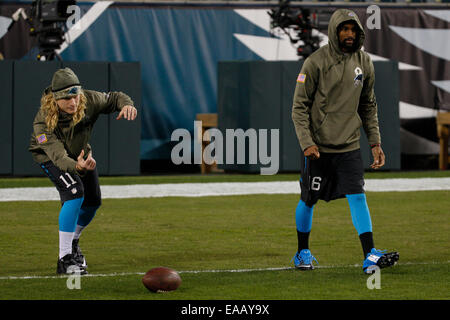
[{"x": 334, "y": 97}]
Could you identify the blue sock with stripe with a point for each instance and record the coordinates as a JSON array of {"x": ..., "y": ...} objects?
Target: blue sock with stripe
[
  {"x": 68, "y": 215},
  {"x": 361, "y": 220},
  {"x": 360, "y": 212},
  {"x": 85, "y": 217},
  {"x": 303, "y": 217},
  {"x": 303, "y": 221}
]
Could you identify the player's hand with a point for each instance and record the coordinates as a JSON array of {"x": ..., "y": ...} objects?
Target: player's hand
[
  {"x": 312, "y": 153},
  {"x": 127, "y": 112},
  {"x": 378, "y": 157},
  {"x": 88, "y": 164}
]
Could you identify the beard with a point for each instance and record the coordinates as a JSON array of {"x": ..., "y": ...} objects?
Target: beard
[{"x": 348, "y": 47}]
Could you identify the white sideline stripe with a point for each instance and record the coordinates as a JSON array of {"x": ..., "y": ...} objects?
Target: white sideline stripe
[
  {"x": 219, "y": 189},
  {"x": 212, "y": 271}
]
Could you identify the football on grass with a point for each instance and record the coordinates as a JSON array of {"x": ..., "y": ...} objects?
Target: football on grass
[{"x": 161, "y": 279}]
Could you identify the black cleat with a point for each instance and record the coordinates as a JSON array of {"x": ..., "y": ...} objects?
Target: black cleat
[
  {"x": 77, "y": 255},
  {"x": 379, "y": 258},
  {"x": 388, "y": 259},
  {"x": 67, "y": 265}
]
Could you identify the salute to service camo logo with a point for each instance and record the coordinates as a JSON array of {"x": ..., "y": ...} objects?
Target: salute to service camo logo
[{"x": 359, "y": 77}]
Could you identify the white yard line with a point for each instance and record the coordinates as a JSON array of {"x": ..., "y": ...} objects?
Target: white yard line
[
  {"x": 119, "y": 274},
  {"x": 219, "y": 189}
]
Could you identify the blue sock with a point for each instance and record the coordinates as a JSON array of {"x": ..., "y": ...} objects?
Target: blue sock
[
  {"x": 68, "y": 215},
  {"x": 360, "y": 212},
  {"x": 86, "y": 215},
  {"x": 303, "y": 220},
  {"x": 303, "y": 217}
]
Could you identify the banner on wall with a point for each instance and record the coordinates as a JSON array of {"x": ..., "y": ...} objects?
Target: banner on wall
[{"x": 179, "y": 49}]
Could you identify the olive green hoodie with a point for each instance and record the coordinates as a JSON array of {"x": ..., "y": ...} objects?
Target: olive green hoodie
[
  {"x": 63, "y": 145},
  {"x": 334, "y": 95}
]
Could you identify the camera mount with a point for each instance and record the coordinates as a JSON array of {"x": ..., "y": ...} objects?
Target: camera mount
[
  {"x": 301, "y": 22},
  {"x": 48, "y": 24}
]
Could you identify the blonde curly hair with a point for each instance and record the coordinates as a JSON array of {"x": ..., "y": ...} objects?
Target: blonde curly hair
[{"x": 50, "y": 107}]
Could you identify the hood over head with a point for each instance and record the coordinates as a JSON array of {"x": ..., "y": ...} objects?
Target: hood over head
[{"x": 338, "y": 17}]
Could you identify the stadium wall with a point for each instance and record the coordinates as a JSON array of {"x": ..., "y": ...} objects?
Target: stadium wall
[
  {"x": 179, "y": 47},
  {"x": 250, "y": 105},
  {"x": 114, "y": 143}
]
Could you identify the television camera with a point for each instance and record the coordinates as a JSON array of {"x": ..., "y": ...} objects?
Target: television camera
[
  {"x": 298, "y": 24},
  {"x": 48, "y": 24}
]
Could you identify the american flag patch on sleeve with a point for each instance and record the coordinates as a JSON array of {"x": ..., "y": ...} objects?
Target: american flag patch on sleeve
[
  {"x": 301, "y": 78},
  {"x": 42, "y": 138}
]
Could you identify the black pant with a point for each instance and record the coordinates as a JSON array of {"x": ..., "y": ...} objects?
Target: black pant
[
  {"x": 72, "y": 186},
  {"x": 332, "y": 176}
]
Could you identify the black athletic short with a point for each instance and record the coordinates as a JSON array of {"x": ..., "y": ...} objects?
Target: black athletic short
[
  {"x": 72, "y": 186},
  {"x": 332, "y": 176}
]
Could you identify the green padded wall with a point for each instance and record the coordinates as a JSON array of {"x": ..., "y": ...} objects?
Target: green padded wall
[{"x": 259, "y": 94}]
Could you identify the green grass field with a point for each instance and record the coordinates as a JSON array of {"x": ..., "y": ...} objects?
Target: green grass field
[{"x": 213, "y": 235}]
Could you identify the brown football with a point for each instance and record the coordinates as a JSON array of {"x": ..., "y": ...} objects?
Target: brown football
[{"x": 161, "y": 279}]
